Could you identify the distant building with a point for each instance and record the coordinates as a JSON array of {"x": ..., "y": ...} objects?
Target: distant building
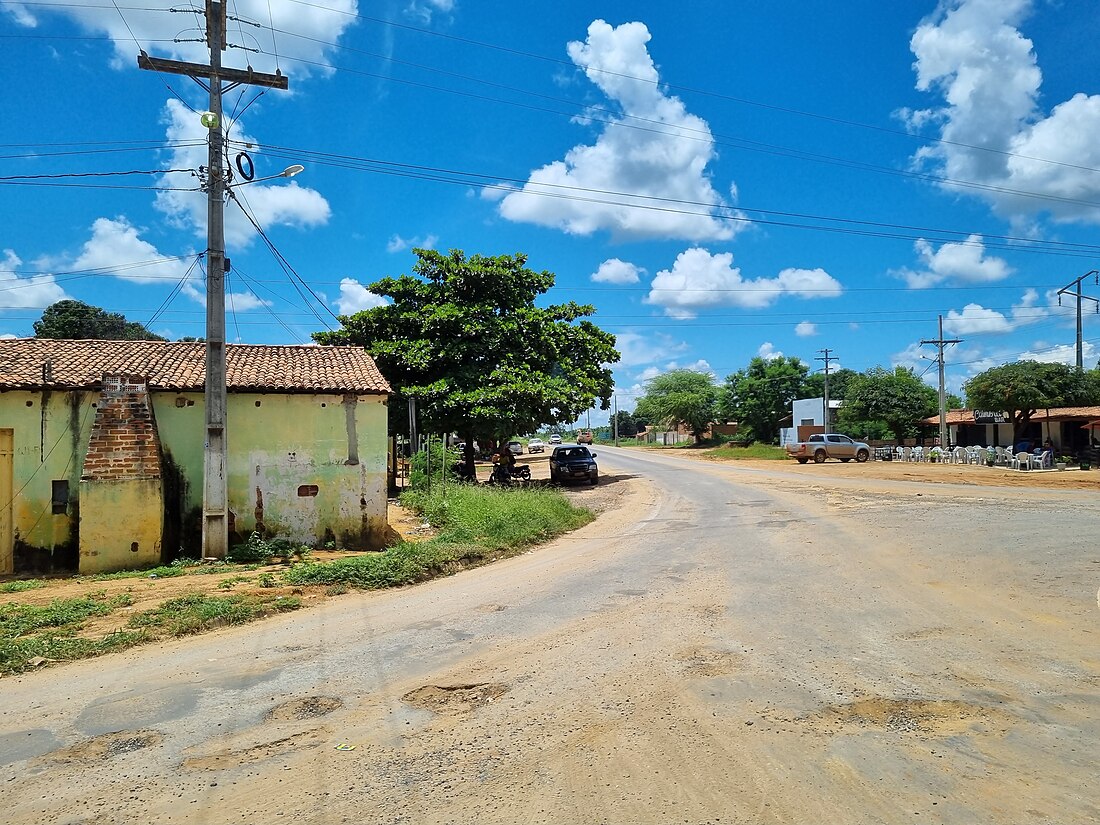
[
  {"x": 807, "y": 418},
  {"x": 101, "y": 450},
  {"x": 1064, "y": 426}
]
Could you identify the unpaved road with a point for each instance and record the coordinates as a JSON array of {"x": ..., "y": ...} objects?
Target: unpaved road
[{"x": 730, "y": 646}]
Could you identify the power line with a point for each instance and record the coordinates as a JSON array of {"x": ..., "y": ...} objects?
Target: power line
[
  {"x": 93, "y": 174},
  {"x": 694, "y": 90}
]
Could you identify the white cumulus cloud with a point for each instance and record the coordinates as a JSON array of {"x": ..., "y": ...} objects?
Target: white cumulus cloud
[
  {"x": 665, "y": 159},
  {"x": 271, "y": 204},
  {"x": 398, "y": 244},
  {"x": 1061, "y": 353},
  {"x": 115, "y": 242},
  {"x": 973, "y": 55},
  {"x": 637, "y": 349},
  {"x": 29, "y": 291},
  {"x": 963, "y": 261},
  {"x": 699, "y": 279},
  {"x": 317, "y": 24},
  {"x": 614, "y": 271},
  {"x": 768, "y": 352},
  {"x": 974, "y": 319},
  {"x": 354, "y": 297},
  {"x": 805, "y": 329}
]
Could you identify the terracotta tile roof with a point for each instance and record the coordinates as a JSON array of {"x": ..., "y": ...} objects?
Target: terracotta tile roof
[
  {"x": 1055, "y": 414},
  {"x": 181, "y": 366}
]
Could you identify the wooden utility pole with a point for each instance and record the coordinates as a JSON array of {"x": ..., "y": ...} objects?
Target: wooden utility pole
[
  {"x": 1079, "y": 295},
  {"x": 218, "y": 80},
  {"x": 940, "y": 343},
  {"x": 828, "y": 359}
]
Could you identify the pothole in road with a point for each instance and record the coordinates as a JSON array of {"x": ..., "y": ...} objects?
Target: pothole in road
[
  {"x": 924, "y": 716},
  {"x": 109, "y": 745},
  {"x": 454, "y": 699},
  {"x": 704, "y": 662},
  {"x": 308, "y": 707}
]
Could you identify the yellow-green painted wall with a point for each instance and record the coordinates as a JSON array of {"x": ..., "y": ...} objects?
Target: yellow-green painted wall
[
  {"x": 287, "y": 441},
  {"x": 121, "y": 524},
  {"x": 50, "y": 438},
  {"x": 279, "y": 442}
]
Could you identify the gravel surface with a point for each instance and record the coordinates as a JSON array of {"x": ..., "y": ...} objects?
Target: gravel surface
[{"x": 723, "y": 644}]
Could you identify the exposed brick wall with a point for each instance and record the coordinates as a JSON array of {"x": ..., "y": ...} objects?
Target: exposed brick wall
[{"x": 124, "y": 443}]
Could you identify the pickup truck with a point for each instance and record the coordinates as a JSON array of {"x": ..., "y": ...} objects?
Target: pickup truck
[{"x": 829, "y": 445}]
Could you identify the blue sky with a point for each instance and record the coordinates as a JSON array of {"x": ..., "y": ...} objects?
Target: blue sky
[{"x": 719, "y": 179}]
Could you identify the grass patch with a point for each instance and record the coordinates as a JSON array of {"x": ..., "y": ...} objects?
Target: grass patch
[
  {"x": 32, "y": 632},
  {"x": 767, "y": 452},
  {"x": 197, "y": 612},
  {"x": 476, "y": 525},
  {"x": 22, "y": 585}
]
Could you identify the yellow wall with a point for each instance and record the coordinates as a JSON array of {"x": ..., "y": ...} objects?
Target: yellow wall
[
  {"x": 121, "y": 523},
  {"x": 287, "y": 441},
  {"x": 50, "y": 438},
  {"x": 280, "y": 442}
]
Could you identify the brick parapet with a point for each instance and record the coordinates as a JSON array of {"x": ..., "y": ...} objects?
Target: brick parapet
[{"x": 124, "y": 443}]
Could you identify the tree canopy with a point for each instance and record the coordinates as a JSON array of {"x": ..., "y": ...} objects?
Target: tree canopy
[
  {"x": 1024, "y": 387},
  {"x": 895, "y": 399},
  {"x": 628, "y": 427},
  {"x": 759, "y": 396},
  {"x": 463, "y": 337},
  {"x": 78, "y": 320},
  {"x": 679, "y": 397}
]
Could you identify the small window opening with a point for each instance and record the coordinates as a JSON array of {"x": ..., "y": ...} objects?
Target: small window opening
[
  {"x": 257, "y": 403},
  {"x": 307, "y": 490},
  {"x": 133, "y": 547},
  {"x": 59, "y": 503}
]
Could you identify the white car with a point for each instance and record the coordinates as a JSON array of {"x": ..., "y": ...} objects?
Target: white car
[
  {"x": 536, "y": 445},
  {"x": 555, "y": 439}
]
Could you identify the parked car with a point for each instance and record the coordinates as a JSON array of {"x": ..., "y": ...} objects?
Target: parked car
[
  {"x": 584, "y": 437},
  {"x": 573, "y": 462},
  {"x": 535, "y": 445},
  {"x": 555, "y": 439},
  {"x": 515, "y": 448},
  {"x": 829, "y": 445}
]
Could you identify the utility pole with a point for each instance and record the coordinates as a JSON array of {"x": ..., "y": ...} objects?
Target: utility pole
[
  {"x": 215, "y": 494},
  {"x": 615, "y": 418},
  {"x": 828, "y": 359},
  {"x": 940, "y": 343},
  {"x": 1080, "y": 295}
]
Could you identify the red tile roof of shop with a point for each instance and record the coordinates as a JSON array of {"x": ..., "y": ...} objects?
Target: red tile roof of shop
[
  {"x": 181, "y": 366},
  {"x": 1055, "y": 414}
]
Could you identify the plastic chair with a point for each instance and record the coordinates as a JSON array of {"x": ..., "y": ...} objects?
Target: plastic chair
[
  {"x": 1021, "y": 461},
  {"x": 1040, "y": 462}
]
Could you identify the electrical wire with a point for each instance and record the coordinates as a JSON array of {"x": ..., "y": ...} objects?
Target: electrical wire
[
  {"x": 295, "y": 278},
  {"x": 93, "y": 174}
]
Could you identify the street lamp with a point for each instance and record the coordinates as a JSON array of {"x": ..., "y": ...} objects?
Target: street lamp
[{"x": 289, "y": 172}]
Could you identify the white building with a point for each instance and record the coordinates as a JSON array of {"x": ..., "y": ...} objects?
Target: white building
[{"x": 807, "y": 417}]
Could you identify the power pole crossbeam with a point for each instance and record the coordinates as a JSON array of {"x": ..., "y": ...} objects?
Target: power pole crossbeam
[
  {"x": 941, "y": 343},
  {"x": 215, "y": 498},
  {"x": 1080, "y": 296}
]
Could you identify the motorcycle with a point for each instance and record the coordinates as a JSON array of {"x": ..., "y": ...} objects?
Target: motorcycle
[{"x": 502, "y": 475}]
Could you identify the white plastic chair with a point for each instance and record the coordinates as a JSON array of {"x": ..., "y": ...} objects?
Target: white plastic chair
[
  {"x": 906, "y": 453},
  {"x": 1021, "y": 461},
  {"x": 1040, "y": 462}
]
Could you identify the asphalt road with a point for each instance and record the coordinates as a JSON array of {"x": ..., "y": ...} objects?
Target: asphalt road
[{"x": 728, "y": 646}]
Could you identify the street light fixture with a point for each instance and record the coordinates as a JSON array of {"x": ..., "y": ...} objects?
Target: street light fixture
[{"x": 289, "y": 172}]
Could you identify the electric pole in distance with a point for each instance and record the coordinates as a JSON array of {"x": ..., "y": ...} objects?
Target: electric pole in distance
[
  {"x": 1080, "y": 295},
  {"x": 218, "y": 80},
  {"x": 828, "y": 359},
  {"x": 940, "y": 344}
]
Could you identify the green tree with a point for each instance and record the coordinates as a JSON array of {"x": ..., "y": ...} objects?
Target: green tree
[
  {"x": 892, "y": 399},
  {"x": 464, "y": 338},
  {"x": 814, "y": 386},
  {"x": 628, "y": 427},
  {"x": 78, "y": 320},
  {"x": 1025, "y": 387},
  {"x": 759, "y": 396},
  {"x": 681, "y": 397}
]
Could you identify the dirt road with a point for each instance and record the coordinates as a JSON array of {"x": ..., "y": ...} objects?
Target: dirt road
[{"x": 731, "y": 645}]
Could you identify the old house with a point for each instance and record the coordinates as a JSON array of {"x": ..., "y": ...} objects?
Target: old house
[{"x": 101, "y": 449}]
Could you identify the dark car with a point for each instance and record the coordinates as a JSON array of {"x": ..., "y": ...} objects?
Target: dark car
[{"x": 573, "y": 462}]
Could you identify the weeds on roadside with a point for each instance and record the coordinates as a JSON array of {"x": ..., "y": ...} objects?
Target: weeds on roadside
[
  {"x": 197, "y": 612},
  {"x": 21, "y": 586},
  {"x": 30, "y": 632},
  {"x": 476, "y": 524}
]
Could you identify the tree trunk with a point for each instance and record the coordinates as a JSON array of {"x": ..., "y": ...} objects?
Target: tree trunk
[{"x": 471, "y": 470}]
